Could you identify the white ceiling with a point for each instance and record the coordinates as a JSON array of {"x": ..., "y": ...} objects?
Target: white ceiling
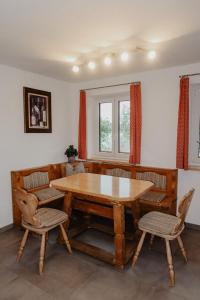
[{"x": 38, "y": 35}]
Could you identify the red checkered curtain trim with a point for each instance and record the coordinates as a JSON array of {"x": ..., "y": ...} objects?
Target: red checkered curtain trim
[
  {"x": 135, "y": 123},
  {"x": 82, "y": 143},
  {"x": 183, "y": 125}
]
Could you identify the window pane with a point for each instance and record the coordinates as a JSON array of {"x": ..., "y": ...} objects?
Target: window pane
[
  {"x": 105, "y": 127},
  {"x": 124, "y": 126}
]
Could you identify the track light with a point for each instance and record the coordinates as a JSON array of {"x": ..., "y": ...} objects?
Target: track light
[
  {"x": 124, "y": 56},
  {"x": 91, "y": 65},
  {"x": 107, "y": 61},
  {"x": 151, "y": 54},
  {"x": 75, "y": 69}
]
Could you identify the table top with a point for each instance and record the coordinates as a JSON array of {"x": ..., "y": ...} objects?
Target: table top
[{"x": 114, "y": 189}]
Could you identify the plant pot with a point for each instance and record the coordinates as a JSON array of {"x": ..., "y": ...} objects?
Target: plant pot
[{"x": 71, "y": 159}]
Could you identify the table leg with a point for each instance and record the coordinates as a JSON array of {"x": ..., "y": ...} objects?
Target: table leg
[
  {"x": 67, "y": 207},
  {"x": 119, "y": 228},
  {"x": 136, "y": 213}
]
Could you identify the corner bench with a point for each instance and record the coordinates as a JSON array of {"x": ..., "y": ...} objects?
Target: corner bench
[{"x": 162, "y": 197}]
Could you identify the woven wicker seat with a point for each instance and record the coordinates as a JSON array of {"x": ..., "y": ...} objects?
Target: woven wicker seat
[
  {"x": 39, "y": 221},
  {"x": 166, "y": 226},
  {"x": 48, "y": 217},
  {"x": 158, "y": 223}
]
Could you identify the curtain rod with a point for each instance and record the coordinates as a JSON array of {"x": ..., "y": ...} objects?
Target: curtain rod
[
  {"x": 113, "y": 85},
  {"x": 189, "y": 75}
]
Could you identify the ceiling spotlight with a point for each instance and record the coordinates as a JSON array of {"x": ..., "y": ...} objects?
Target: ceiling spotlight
[
  {"x": 107, "y": 61},
  {"x": 91, "y": 65},
  {"x": 151, "y": 54},
  {"x": 124, "y": 56},
  {"x": 75, "y": 69}
]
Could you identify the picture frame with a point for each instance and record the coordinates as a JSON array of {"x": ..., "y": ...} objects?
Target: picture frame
[{"x": 37, "y": 111}]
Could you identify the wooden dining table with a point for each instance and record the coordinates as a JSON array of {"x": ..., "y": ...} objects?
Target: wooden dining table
[{"x": 105, "y": 196}]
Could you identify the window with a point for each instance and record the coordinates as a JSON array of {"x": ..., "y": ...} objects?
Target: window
[
  {"x": 114, "y": 127},
  {"x": 105, "y": 127},
  {"x": 194, "y": 125}
]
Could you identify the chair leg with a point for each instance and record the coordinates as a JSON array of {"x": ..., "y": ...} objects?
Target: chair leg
[
  {"x": 170, "y": 263},
  {"x": 22, "y": 245},
  {"x": 42, "y": 252},
  {"x": 65, "y": 237},
  {"x": 139, "y": 247},
  {"x": 180, "y": 242},
  {"x": 151, "y": 241}
]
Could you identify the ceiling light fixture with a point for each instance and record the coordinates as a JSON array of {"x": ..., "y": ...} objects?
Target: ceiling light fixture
[
  {"x": 75, "y": 69},
  {"x": 151, "y": 54},
  {"x": 91, "y": 65},
  {"x": 107, "y": 61},
  {"x": 124, "y": 56}
]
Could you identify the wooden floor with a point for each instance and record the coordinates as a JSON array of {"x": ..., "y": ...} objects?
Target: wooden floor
[{"x": 80, "y": 277}]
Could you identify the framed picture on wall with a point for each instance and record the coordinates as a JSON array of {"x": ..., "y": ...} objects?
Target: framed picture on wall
[{"x": 37, "y": 111}]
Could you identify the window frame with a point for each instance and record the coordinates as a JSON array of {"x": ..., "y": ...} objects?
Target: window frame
[{"x": 114, "y": 154}]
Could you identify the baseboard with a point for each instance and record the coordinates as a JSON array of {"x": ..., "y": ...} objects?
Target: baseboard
[
  {"x": 6, "y": 228},
  {"x": 192, "y": 226}
]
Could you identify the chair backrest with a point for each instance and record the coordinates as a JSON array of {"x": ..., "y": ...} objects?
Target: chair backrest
[
  {"x": 183, "y": 210},
  {"x": 27, "y": 204},
  {"x": 184, "y": 205}
]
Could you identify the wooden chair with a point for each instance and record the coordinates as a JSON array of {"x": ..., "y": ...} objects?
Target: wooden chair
[
  {"x": 40, "y": 221},
  {"x": 165, "y": 226}
]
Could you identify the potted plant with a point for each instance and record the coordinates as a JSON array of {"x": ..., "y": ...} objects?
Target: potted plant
[{"x": 71, "y": 153}]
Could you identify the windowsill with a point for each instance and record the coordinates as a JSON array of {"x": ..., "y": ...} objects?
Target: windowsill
[
  {"x": 109, "y": 160},
  {"x": 102, "y": 158},
  {"x": 194, "y": 168}
]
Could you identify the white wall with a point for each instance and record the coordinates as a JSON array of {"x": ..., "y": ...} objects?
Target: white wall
[
  {"x": 18, "y": 149},
  {"x": 160, "y": 98}
]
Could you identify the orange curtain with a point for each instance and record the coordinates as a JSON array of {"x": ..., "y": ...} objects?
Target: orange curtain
[
  {"x": 82, "y": 144},
  {"x": 183, "y": 125},
  {"x": 135, "y": 123}
]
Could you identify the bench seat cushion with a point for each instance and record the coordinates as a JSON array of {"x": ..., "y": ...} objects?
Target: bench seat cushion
[
  {"x": 159, "y": 223},
  {"x": 47, "y": 195},
  {"x": 153, "y": 197},
  {"x": 47, "y": 217}
]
